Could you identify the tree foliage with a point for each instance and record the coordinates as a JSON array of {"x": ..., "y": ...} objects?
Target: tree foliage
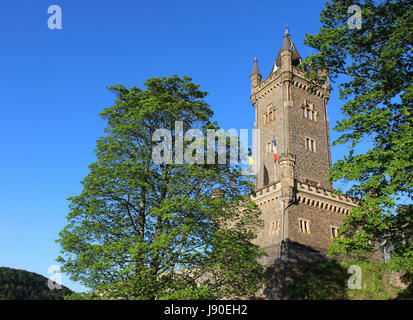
[
  {"x": 24, "y": 285},
  {"x": 373, "y": 65},
  {"x": 142, "y": 230}
]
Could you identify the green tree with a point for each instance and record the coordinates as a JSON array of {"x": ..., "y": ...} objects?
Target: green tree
[
  {"x": 144, "y": 230},
  {"x": 373, "y": 65}
]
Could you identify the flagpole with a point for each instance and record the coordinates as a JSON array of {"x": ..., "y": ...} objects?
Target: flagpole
[{"x": 275, "y": 175}]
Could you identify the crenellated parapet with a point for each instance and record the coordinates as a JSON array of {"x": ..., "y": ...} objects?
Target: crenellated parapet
[
  {"x": 309, "y": 195},
  {"x": 301, "y": 82},
  {"x": 273, "y": 82}
]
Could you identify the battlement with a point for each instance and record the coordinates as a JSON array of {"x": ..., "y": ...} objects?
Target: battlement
[
  {"x": 307, "y": 194},
  {"x": 273, "y": 81}
]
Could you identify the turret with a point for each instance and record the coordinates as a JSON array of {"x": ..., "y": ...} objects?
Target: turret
[
  {"x": 288, "y": 55},
  {"x": 255, "y": 76}
]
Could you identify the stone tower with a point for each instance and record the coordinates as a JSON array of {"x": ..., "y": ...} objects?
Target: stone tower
[{"x": 293, "y": 193}]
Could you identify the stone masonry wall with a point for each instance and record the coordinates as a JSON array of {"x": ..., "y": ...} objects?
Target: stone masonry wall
[
  {"x": 320, "y": 223},
  {"x": 311, "y": 165},
  {"x": 269, "y": 98}
]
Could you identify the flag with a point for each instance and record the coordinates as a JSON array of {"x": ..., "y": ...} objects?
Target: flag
[
  {"x": 250, "y": 155},
  {"x": 274, "y": 147}
]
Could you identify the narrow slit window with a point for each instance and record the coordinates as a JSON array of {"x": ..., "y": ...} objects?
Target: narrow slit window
[
  {"x": 310, "y": 144},
  {"x": 304, "y": 226}
]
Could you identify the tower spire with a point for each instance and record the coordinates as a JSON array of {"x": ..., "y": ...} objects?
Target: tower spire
[
  {"x": 255, "y": 69},
  {"x": 288, "y": 45},
  {"x": 255, "y": 76}
]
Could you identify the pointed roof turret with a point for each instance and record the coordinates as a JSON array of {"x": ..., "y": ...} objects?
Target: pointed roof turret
[
  {"x": 255, "y": 69},
  {"x": 287, "y": 44}
]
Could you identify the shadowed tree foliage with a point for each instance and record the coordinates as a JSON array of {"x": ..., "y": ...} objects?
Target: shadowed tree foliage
[
  {"x": 143, "y": 230},
  {"x": 322, "y": 280},
  {"x": 373, "y": 65}
]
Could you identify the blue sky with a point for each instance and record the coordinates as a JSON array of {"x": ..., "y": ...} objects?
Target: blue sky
[{"x": 53, "y": 87}]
